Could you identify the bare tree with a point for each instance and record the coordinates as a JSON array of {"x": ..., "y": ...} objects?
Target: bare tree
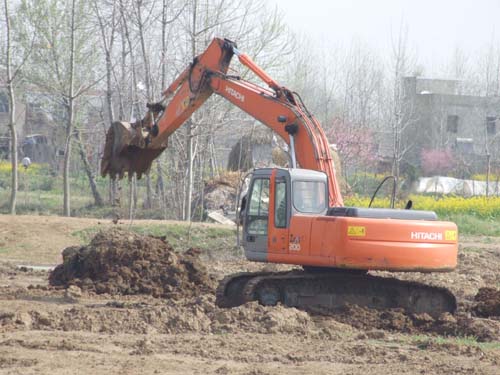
[
  {"x": 12, "y": 114},
  {"x": 69, "y": 102},
  {"x": 402, "y": 114},
  {"x": 62, "y": 65},
  {"x": 12, "y": 73},
  {"x": 88, "y": 169},
  {"x": 107, "y": 23}
]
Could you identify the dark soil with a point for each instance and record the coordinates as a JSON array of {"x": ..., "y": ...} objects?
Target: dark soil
[
  {"x": 487, "y": 303},
  {"x": 120, "y": 262},
  {"x": 397, "y": 320}
]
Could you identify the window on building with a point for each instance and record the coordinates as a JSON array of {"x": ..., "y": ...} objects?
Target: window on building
[
  {"x": 465, "y": 145},
  {"x": 452, "y": 124},
  {"x": 4, "y": 102},
  {"x": 34, "y": 107},
  {"x": 491, "y": 125}
]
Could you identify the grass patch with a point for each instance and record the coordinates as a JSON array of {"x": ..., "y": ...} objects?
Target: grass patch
[
  {"x": 471, "y": 250},
  {"x": 468, "y": 341},
  {"x": 180, "y": 236},
  {"x": 489, "y": 240},
  {"x": 473, "y": 225},
  {"x": 41, "y": 202}
]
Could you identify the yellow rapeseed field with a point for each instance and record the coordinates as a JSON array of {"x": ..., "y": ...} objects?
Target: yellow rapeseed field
[
  {"x": 34, "y": 168},
  {"x": 482, "y": 177},
  {"x": 477, "y": 206}
]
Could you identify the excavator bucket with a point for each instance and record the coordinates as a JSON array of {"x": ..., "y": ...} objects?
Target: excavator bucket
[{"x": 126, "y": 151}]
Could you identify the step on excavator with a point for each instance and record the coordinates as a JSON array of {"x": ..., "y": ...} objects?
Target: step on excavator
[{"x": 296, "y": 215}]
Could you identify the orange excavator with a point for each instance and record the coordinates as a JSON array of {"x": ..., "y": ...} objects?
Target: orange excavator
[{"x": 296, "y": 215}]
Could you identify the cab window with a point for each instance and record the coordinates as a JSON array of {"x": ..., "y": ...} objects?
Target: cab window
[
  {"x": 258, "y": 209},
  {"x": 309, "y": 196},
  {"x": 280, "y": 204}
]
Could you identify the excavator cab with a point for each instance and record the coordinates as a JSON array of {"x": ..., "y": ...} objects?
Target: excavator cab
[{"x": 274, "y": 196}]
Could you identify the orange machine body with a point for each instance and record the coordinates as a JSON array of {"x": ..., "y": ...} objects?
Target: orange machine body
[
  {"x": 359, "y": 242},
  {"x": 364, "y": 243}
]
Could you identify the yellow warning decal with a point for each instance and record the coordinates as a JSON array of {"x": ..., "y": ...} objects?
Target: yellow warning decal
[
  {"x": 355, "y": 231},
  {"x": 450, "y": 235}
]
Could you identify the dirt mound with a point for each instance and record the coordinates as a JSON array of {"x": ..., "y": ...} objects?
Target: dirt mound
[
  {"x": 142, "y": 314},
  {"x": 120, "y": 262},
  {"x": 487, "y": 302},
  {"x": 398, "y": 320}
]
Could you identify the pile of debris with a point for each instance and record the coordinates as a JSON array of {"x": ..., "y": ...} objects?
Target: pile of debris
[
  {"x": 219, "y": 197},
  {"x": 121, "y": 262},
  {"x": 220, "y": 192}
]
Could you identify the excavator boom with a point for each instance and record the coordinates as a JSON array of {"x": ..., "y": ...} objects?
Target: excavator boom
[{"x": 276, "y": 107}]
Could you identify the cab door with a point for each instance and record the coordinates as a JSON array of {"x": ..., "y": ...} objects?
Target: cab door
[
  {"x": 255, "y": 228},
  {"x": 279, "y": 215}
]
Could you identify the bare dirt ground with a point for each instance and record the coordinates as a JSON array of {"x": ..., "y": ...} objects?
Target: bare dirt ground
[{"x": 49, "y": 330}]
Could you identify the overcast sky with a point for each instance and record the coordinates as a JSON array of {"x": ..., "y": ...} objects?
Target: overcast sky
[{"x": 435, "y": 27}]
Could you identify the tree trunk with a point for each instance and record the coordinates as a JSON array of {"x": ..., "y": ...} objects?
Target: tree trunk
[
  {"x": 147, "y": 74},
  {"x": 189, "y": 185},
  {"x": 70, "y": 109},
  {"x": 136, "y": 111},
  {"x": 111, "y": 195},
  {"x": 67, "y": 158},
  {"x": 98, "y": 201},
  {"x": 189, "y": 129},
  {"x": 121, "y": 84},
  {"x": 202, "y": 161},
  {"x": 163, "y": 44},
  {"x": 108, "y": 49},
  {"x": 161, "y": 188},
  {"x": 117, "y": 190},
  {"x": 131, "y": 196},
  {"x": 148, "y": 203},
  {"x": 12, "y": 118},
  {"x": 488, "y": 171}
]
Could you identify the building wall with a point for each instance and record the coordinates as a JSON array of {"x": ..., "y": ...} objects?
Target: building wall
[{"x": 444, "y": 120}]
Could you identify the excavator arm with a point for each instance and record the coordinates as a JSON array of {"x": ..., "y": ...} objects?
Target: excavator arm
[{"x": 131, "y": 148}]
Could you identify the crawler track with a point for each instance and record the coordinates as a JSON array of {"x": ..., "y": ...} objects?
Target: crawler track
[{"x": 331, "y": 290}]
